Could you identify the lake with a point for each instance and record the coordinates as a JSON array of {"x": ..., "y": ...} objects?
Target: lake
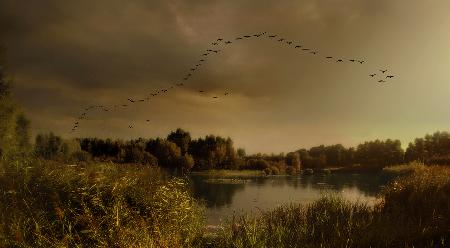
[{"x": 224, "y": 196}]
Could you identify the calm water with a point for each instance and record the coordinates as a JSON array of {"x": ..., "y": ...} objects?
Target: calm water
[{"x": 225, "y": 196}]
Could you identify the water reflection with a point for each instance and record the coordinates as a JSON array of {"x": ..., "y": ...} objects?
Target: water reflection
[{"x": 225, "y": 196}]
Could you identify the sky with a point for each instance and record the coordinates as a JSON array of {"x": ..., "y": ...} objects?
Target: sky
[{"x": 66, "y": 55}]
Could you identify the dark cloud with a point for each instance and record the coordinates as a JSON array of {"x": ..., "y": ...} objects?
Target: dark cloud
[{"x": 67, "y": 55}]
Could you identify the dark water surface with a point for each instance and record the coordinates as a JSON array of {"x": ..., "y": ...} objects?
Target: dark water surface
[{"x": 223, "y": 196}]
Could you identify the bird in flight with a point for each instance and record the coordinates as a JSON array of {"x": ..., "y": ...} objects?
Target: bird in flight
[
  {"x": 215, "y": 43},
  {"x": 328, "y": 57},
  {"x": 238, "y": 38},
  {"x": 215, "y": 97},
  {"x": 226, "y": 93},
  {"x": 130, "y": 126},
  {"x": 381, "y": 81},
  {"x": 314, "y": 52},
  {"x": 247, "y": 36},
  {"x": 383, "y": 71},
  {"x": 351, "y": 60},
  {"x": 339, "y": 60},
  {"x": 228, "y": 42},
  {"x": 390, "y": 76},
  {"x": 373, "y": 75},
  {"x": 305, "y": 49},
  {"x": 147, "y": 120},
  {"x": 201, "y": 91},
  {"x": 289, "y": 42},
  {"x": 298, "y": 46},
  {"x": 361, "y": 61},
  {"x": 272, "y": 36},
  {"x": 281, "y": 39},
  {"x": 131, "y": 100},
  {"x": 220, "y": 39}
]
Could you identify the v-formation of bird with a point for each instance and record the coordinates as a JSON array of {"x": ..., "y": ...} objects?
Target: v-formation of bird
[{"x": 211, "y": 51}]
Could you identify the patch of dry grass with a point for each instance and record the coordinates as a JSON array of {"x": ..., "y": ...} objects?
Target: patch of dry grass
[{"x": 100, "y": 205}]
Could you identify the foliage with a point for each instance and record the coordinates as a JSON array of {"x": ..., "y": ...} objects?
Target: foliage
[
  {"x": 380, "y": 153},
  {"x": 14, "y": 127},
  {"x": 52, "y": 147},
  {"x": 431, "y": 149},
  {"x": 180, "y": 152},
  {"x": 213, "y": 152},
  {"x": 181, "y": 138}
]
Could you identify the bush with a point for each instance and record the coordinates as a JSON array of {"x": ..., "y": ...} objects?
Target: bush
[
  {"x": 274, "y": 170},
  {"x": 291, "y": 170}
]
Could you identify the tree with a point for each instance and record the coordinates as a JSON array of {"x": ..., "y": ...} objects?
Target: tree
[
  {"x": 167, "y": 153},
  {"x": 49, "y": 146},
  {"x": 4, "y": 84},
  {"x": 181, "y": 138},
  {"x": 293, "y": 160},
  {"x": 186, "y": 162},
  {"x": 241, "y": 152},
  {"x": 14, "y": 127}
]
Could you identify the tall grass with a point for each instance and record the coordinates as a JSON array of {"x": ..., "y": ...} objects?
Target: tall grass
[
  {"x": 414, "y": 211},
  {"x": 46, "y": 204},
  {"x": 101, "y": 205}
]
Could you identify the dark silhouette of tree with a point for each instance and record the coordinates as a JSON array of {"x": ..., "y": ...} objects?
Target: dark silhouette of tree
[
  {"x": 213, "y": 152},
  {"x": 380, "y": 153},
  {"x": 241, "y": 152},
  {"x": 432, "y": 149},
  {"x": 167, "y": 153},
  {"x": 14, "y": 127},
  {"x": 293, "y": 160}
]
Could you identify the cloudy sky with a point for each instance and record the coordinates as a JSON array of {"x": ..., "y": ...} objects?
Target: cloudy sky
[{"x": 67, "y": 55}]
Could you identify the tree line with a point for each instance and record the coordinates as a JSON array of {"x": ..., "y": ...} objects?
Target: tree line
[{"x": 180, "y": 152}]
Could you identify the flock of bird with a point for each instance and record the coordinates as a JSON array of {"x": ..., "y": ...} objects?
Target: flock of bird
[{"x": 381, "y": 76}]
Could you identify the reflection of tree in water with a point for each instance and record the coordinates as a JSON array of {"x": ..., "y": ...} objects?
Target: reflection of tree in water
[
  {"x": 221, "y": 194},
  {"x": 214, "y": 194},
  {"x": 369, "y": 184}
]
